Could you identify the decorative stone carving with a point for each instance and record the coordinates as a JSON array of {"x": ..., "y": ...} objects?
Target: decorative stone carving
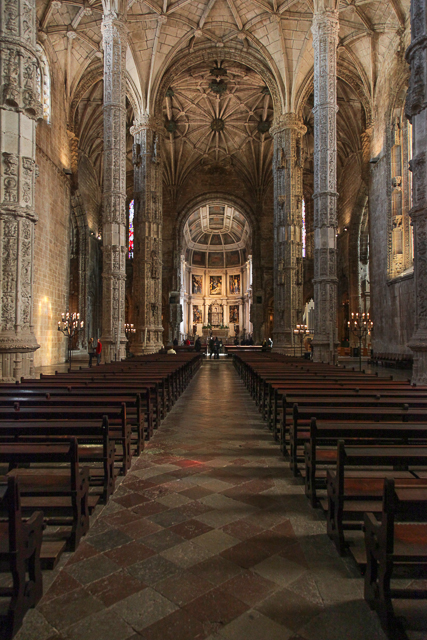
[
  {"x": 148, "y": 223},
  {"x": 325, "y": 39},
  {"x": 114, "y": 197},
  {"x": 416, "y": 111},
  {"x": 19, "y": 110},
  {"x": 287, "y": 133}
]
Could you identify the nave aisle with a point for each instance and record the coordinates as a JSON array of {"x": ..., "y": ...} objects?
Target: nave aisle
[{"x": 208, "y": 536}]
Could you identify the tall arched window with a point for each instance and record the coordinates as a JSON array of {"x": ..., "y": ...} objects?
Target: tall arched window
[
  {"x": 131, "y": 228},
  {"x": 43, "y": 83}
]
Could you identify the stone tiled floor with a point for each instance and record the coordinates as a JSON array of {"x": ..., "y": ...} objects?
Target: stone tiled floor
[{"x": 208, "y": 536}]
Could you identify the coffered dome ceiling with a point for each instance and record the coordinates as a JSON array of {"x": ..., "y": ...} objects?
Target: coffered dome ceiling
[{"x": 217, "y": 236}]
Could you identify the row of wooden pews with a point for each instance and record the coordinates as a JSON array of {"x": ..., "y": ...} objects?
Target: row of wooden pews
[
  {"x": 64, "y": 439},
  {"x": 359, "y": 442}
]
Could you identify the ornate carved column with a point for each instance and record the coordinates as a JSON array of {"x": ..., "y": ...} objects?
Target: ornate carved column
[
  {"x": 148, "y": 222},
  {"x": 114, "y": 198},
  {"x": 416, "y": 111},
  {"x": 288, "y": 195},
  {"x": 19, "y": 109},
  {"x": 325, "y": 39}
]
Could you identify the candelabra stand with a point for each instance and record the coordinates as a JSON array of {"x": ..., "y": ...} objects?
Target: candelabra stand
[
  {"x": 70, "y": 324},
  {"x": 129, "y": 329},
  {"x": 361, "y": 326},
  {"x": 301, "y": 331}
]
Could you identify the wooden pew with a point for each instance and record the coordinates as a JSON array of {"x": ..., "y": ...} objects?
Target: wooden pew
[
  {"x": 120, "y": 430},
  {"x": 20, "y": 544},
  {"x": 321, "y": 448},
  {"x": 61, "y": 493},
  {"x": 395, "y": 543},
  {"x": 360, "y": 495},
  {"x": 95, "y": 446},
  {"x": 300, "y": 427}
]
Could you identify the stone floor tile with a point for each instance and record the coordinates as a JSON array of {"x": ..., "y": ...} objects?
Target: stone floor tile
[
  {"x": 183, "y": 587},
  {"x": 252, "y": 625},
  {"x": 190, "y": 529},
  {"x": 216, "y": 569},
  {"x": 162, "y": 540},
  {"x": 187, "y": 554},
  {"x": 195, "y": 493},
  {"x": 152, "y": 570},
  {"x": 36, "y": 628},
  {"x": 109, "y": 540},
  {"x": 216, "y": 608},
  {"x": 291, "y": 610},
  {"x": 120, "y": 518},
  {"x": 351, "y": 619},
  {"x": 64, "y": 583},
  {"x": 216, "y": 541},
  {"x": 83, "y": 552},
  {"x": 129, "y": 553},
  {"x": 149, "y": 508},
  {"x": 132, "y": 500},
  {"x": 245, "y": 554},
  {"x": 249, "y": 587},
  {"x": 242, "y": 529},
  {"x": 143, "y": 609},
  {"x": 93, "y": 569},
  {"x": 66, "y": 610},
  {"x": 174, "y": 500},
  {"x": 139, "y": 528},
  {"x": 100, "y": 626},
  {"x": 115, "y": 587},
  {"x": 169, "y": 518},
  {"x": 179, "y": 625}
]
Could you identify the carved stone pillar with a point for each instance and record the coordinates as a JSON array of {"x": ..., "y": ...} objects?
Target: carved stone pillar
[
  {"x": 114, "y": 198},
  {"x": 325, "y": 39},
  {"x": 148, "y": 223},
  {"x": 288, "y": 195},
  {"x": 20, "y": 107},
  {"x": 416, "y": 111}
]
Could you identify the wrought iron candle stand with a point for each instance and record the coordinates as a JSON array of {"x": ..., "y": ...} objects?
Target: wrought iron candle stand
[
  {"x": 70, "y": 325},
  {"x": 129, "y": 329},
  {"x": 361, "y": 326},
  {"x": 301, "y": 331}
]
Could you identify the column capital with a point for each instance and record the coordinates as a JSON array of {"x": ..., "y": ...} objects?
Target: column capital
[
  {"x": 146, "y": 122},
  {"x": 326, "y": 23},
  {"x": 117, "y": 9},
  {"x": 288, "y": 121}
]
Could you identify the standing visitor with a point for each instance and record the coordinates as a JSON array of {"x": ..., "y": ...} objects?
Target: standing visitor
[
  {"x": 211, "y": 346},
  {"x": 216, "y": 348},
  {"x": 98, "y": 351},
  {"x": 198, "y": 345}
]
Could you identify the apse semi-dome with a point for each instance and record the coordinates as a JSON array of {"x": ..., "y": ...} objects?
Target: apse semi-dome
[{"x": 217, "y": 236}]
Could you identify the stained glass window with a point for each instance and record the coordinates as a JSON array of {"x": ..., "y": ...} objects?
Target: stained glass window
[
  {"x": 304, "y": 230},
  {"x": 131, "y": 229}
]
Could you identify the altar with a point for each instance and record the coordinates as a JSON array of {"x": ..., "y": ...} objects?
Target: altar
[{"x": 216, "y": 333}]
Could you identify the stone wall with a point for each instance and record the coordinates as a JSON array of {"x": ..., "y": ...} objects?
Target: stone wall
[
  {"x": 392, "y": 301},
  {"x": 51, "y": 249}
]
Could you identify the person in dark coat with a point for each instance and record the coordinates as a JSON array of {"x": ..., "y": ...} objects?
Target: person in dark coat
[
  {"x": 216, "y": 348},
  {"x": 198, "y": 345},
  {"x": 211, "y": 346}
]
